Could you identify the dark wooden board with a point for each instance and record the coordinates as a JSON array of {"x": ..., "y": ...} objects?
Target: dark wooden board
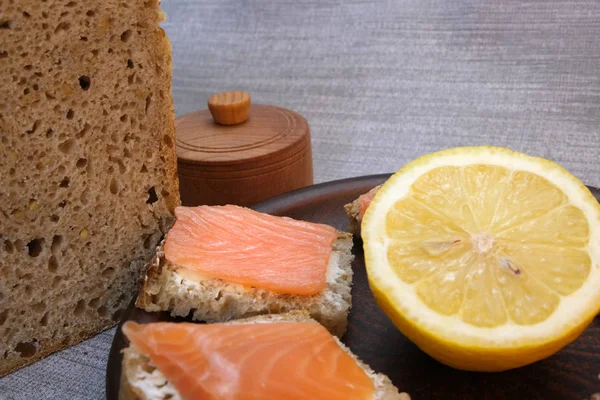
[{"x": 570, "y": 374}]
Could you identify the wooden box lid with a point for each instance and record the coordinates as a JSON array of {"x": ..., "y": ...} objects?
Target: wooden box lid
[{"x": 238, "y": 153}]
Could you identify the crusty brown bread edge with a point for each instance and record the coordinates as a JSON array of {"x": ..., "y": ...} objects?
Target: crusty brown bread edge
[
  {"x": 160, "y": 45},
  {"x": 219, "y": 301},
  {"x": 384, "y": 388},
  {"x": 353, "y": 222}
]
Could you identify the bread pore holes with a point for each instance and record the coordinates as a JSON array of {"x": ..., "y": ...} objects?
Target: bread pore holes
[
  {"x": 148, "y": 103},
  {"x": 65, "y": 182},
  {"x": 8, "y": 246},
  {"x": 114, "y": 186},
  {"x": 3, "y": 317},
  {"x": 84, "y": 198},
  {"x": 70, "y": 114},
  {"x": 108, "y": 272},
  {"x": 102, "y": 311},
  {"x": 147, "y": 241},
  {"x": 34, "y": 127},
  {"x": 79, "y": 308},
  {"x": 35, "y": 247},
  {"x": 52, "y": 264},
  {"x": 57, "y": 241},
  {"x": 129, "y": 64},
  {"x": 122, "y": 167},
  {"x": 85, "y": 82},
  {"x": 67, "y": 146},
  {"x": 168, "y": 141},
  {"x": 63, "y": 26},
  {"x": 44, "y": 320},
  {"x": 5, "y": 24},
  {"x": 83, "y": 132},
  {"x": 39, "y": 307},
  {"x": 26, "y": 349},
  {"x": 126, "y": 36},
  {"x": 152, "y": 197},
  {"x": 94, "y": 303},
  {"x": 81, "y": 163}
]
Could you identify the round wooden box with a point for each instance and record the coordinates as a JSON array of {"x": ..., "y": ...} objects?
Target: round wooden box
[{"x": 238, "y": 153}]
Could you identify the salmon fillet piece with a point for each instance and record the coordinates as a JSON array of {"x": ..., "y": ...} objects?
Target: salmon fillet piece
[
  {"x": 280, "y": 360},
  {"x": 243, "y": 246}
]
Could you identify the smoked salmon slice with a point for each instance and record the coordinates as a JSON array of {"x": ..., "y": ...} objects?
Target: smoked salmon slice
[
  {"x": 243, "y": 246},
  {"x": 280, "y": 360}
]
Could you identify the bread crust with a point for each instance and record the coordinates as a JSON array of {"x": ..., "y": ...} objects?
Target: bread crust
[{"x": 215, "y": 300}]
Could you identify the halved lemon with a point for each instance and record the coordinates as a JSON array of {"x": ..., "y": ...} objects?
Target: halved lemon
[{"x": 485, "y": 258}]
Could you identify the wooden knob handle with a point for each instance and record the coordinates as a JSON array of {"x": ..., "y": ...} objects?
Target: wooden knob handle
[{"x": 229, "y": 108}]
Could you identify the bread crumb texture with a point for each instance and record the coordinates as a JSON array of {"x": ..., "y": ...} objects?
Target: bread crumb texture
[{"x": 88, "y": 166}]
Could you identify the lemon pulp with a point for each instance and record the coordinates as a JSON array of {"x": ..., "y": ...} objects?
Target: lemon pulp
[{"x": 488, "y": 256}]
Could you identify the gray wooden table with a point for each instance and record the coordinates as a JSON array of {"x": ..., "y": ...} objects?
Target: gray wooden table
[{"x": 380, "y": 82}]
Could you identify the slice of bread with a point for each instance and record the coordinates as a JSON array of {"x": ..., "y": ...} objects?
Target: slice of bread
[
  {"x": 214, "y": 300},
  {"x": 353, "y": 212},
  {"x": 140, "y": 380},
  {"x": 88, "y": 166}
]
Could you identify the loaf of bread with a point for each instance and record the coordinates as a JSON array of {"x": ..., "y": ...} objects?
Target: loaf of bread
[{"x": 88, "y": 168}]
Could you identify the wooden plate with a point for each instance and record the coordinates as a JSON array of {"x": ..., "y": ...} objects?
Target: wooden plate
[{"x": 570, "y": 374}]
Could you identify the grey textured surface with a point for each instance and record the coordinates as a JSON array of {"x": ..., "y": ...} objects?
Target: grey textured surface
[{"x": 380, "y": 82}]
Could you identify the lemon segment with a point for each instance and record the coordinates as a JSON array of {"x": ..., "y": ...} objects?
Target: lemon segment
[{"x": 484, "y": 251}]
